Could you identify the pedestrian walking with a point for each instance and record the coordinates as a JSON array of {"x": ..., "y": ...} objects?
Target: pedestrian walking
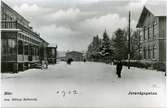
[
  {"x": 119, "y": 68},
  {"x": 69, "y": 61},
  {"x": 84, "y": 60}
]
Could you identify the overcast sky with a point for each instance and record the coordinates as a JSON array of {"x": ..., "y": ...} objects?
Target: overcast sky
[{"x": 71, "y": 24}]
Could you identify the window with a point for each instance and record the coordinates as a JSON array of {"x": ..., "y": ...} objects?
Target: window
[
  {"x": 151, "y": 55},
  {"x": 29, "y": 49},
  {"x": 154, "y": 51},
  {"x": 153, "y": 31},
  {"x": 32, "y": 49},
  {"x": 10, "y": 18},
  {"x": 4, "y": 46},
  {"x": 53, "y": 52},
  {"x": 37, "y": 51},
  {"x": 154, "y": 27},
  {"x": 7, "y": 17},
  {"x": 26, "y": 49},
  {"x": 149, "y": 52},
  {"x": 148, "y": 33},
  {"x": 140, "y": 36},
  {"x": 144, "y": 50},
  {"x": 144, "y": 33},
  {"x": 20, "y": 47},
  {"x": 11, "y": 46},
  {"x": 4, "y": 17}
]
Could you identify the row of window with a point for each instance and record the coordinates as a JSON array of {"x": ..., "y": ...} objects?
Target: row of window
[
  {"x": 8, "y": 17},
  {"x": 13, "y": 25},
  {"x": 150, "y": 31},
  {"x": 149, "y": 52},
  {"x": 9, "y": 48},
  {"x": 27, "y": 49},
  {"x": 28, "y": 39},
  {"x": 8, "y": 24}
]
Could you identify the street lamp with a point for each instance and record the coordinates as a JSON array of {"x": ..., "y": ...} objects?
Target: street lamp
[{"x": 129, "y": 44}]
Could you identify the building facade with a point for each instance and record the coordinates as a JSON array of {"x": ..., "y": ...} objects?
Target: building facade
[
  {"x": 152, "y": 26},
  {"x": 52, "y": 55},
  {"x": 74, "y": 55},
  {"x": 20, "y": 45}
]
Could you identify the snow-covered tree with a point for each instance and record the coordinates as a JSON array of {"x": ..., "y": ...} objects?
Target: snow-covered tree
[
  {"x": 94, "y": 48},
  {"x": 106, "y": 49},
  {"x": 135, "y": 46},
  {"x": 120, "y": 45}
]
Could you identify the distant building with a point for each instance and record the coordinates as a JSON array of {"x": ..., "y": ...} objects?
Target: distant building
[
  {"x": 152, "y": 25},
  {"x": 52, "y": 55},
  {"x": 74, "y": 55},
  {"x": 21, "y": 47},
  {"x": 61, "y": 56}
]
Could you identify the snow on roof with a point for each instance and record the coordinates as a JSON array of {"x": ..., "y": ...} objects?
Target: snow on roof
[{"x": 154, "y": 10}]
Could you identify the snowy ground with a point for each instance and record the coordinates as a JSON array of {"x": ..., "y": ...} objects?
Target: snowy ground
[{"x": 85, "y": 85}]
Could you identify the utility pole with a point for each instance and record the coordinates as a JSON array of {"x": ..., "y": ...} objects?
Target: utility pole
[{"x": 129, "y": 43}]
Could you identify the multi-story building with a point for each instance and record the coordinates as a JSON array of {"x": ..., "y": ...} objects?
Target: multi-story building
[
  {"x": 20, "y": 45},
  {"x": 152, "y": 25},
  {"x": 74, "y": 55}
]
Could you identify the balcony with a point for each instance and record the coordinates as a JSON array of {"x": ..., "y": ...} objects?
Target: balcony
[{"x": 17, "y": 25}]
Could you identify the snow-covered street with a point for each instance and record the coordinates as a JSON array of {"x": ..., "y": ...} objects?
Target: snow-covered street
[{"x": 84, "y": 85}]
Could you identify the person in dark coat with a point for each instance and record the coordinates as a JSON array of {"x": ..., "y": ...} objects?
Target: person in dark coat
[
  {"x": 69, "y": 61},
  {"x": 84, "y": 60},
  {"x": 119, "y": 68}
]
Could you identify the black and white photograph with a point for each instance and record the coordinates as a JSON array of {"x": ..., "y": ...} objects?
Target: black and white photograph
[{"x": 83, "y": 54}]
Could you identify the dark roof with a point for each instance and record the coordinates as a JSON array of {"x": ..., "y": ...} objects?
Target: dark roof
[{"x": 154, "y": 10}]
